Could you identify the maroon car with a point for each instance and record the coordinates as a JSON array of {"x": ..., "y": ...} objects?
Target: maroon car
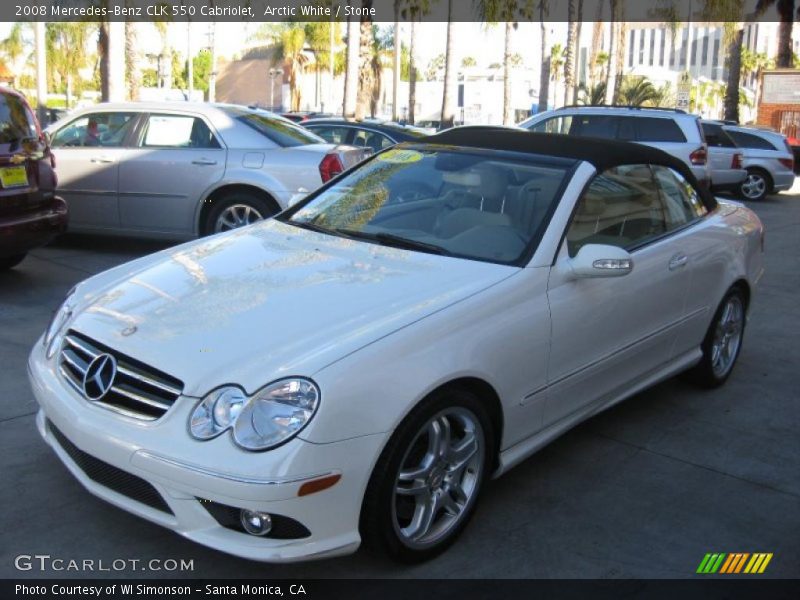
[{"x": 30, "y": 212}]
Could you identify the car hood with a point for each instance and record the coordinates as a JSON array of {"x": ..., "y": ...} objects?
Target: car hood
[{"x": 268, "y": 301}]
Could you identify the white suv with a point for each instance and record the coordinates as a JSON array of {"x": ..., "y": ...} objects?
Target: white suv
[{"x": 671, "y": 130}]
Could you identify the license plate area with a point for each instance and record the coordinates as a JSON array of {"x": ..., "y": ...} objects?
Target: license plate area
[{"x": 13, "y": 177}]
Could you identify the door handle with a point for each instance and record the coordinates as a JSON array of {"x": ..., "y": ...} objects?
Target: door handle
[
  {"x": 678, "y": 261},
  {"x": 204, "y": 161},
  {"x": 101, "y": 159}
]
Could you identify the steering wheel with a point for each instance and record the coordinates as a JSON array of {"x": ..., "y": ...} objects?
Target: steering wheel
[{"x": 415, "y": 191}]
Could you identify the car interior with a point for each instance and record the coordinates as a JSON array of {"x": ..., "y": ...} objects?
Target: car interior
[{"x": 469, "y": 206}]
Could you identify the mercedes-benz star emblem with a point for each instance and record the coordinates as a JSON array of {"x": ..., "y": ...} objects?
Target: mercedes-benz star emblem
[{"x": 99, "y": 376}]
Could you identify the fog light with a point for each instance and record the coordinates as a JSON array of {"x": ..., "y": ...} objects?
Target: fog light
[{"x": 256, "y": 522}]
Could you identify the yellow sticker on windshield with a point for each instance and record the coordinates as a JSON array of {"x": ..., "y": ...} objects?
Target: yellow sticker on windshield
[{"x": 400, "y": 156}]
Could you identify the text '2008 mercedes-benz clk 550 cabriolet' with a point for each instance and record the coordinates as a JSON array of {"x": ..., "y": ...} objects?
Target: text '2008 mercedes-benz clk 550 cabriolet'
[{"x": 357, "y": 368}]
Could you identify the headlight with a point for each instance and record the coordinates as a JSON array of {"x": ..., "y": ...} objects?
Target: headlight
[
  {"x": 268, "y": 418},
  {"x": 52, "y": 335}
]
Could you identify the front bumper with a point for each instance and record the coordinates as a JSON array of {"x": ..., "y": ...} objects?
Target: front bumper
[
  {"x": 189, "y": 476},
  {"x": 23, "y": 232}
]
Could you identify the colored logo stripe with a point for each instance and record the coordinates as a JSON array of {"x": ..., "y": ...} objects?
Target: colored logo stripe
[
  {"x": 758, "y": 563},
  {"x": 734, "y": 562}
]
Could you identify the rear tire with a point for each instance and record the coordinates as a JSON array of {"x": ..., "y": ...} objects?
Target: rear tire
[
  {"x": 756, "y": 186},
  {"x": 237, "y": 209},
  {"x": 9, "y": 262},
  {"x": 426, "y": 483},
  {"x": 723, "y": 341}
]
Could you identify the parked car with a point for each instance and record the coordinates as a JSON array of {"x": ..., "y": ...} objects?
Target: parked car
[
  {"x": 356, "y": 369},
  {"x": 725, "y": 158},
  {"x": 670, "y": 130},
  {"x": 183, "y": 169},
  {"x": 30, "y": 212},
  {"x": 375, "y": 135},
  {"x": 768, "y": 160},
  {"x": 304, "y": 115}
]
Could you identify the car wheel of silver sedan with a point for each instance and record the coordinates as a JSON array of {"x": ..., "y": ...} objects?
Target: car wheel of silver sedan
[
  {"x": 237, "y": 209},
  {"x": 723, "y": 341},
  {"x": 427, "y": 481},
  {"x": 755, "y": 187}
]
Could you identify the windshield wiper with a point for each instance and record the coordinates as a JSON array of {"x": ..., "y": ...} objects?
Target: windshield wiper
[
  {"x": 396, "y": 241},
  {"x": 310, "y": 226}
]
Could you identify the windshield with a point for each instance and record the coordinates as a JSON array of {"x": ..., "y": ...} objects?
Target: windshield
[
  {"x": 471, "y": 204},
  {"x": 16, "y": 122},
  {"x": 281, "y": 131}
]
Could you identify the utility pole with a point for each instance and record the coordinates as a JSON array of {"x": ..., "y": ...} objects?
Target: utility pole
[
  {"x": 41, "y": 73},
  {"x": 189, "y": 60},
  {"x": 396, "y": 65},
  {"x": 330, "y": 64},
  {"x": 212, "y": 78}
]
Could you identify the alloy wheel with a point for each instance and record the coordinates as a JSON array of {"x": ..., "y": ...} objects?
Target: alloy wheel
[
  {"x": 439, "y": 478},
  {"x": 727, "y": 336},
  {"x": 235, "y": 216},
  {"x": 755, "y": 186}
]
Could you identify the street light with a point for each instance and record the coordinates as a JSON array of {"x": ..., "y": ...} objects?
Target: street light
[{"x": 273, "y": 73}]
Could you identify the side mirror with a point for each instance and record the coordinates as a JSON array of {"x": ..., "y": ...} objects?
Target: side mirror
[
  {"x": 601, "y": 260},
  {"x": 48, "y": 139}
]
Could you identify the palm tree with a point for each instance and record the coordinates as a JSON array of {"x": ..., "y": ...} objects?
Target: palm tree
[
  {"x": 448, "y": 97},
  {"x": 544, "y": 67},
  {"x": 351, "y": 70},
  {"x": 382, "y": 57},
  {"x": 13, "y": 47},
  {"x": 493, "y": 11},
  {"x": 318, "y": 38},
  {"x": 592, "y": 95},
  {"x": 366, "y": 78},
  {"x": 132, "y": 75},
  {"x": 614, "y": 26},
  {"x": 293, "y": 41},
  {"x": 786, "y": 12},
  {"x": 569, "y": 55},
  {"x": 413, "y": 10},
  {"x": 730, "y": 12},
  {"x": 663, "y": 96},
  {"x": 636, "y": 90},
  {"x": 66, "y": 43},
  {"x": 556, "y": 64}
]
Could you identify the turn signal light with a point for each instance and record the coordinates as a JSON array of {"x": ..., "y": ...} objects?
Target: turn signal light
[
  {"x": 736, "y": 163},
  {"x": 317, "y": 485}
]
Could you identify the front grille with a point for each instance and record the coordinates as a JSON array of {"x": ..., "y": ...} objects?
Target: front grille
[
  {"x": 110, "y": 476},
  {"x": 283, "y": 528},
  {"x": 136, "y": 389}
]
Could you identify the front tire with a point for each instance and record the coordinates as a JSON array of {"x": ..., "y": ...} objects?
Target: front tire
[
  {"x": 426, "y": 483},
  {"x": 9, "y": 262},
  {"x": 723, "y": 341}
]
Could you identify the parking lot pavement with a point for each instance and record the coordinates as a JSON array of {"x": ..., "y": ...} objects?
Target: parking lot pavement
[{"x": 642, "y": 490}]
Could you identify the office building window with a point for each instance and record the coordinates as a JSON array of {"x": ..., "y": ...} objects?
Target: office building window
[
  {"x": 684, "y": 47},
  {"x": 630, "y": 48},
  {"x": 705, "y": 50},
  {"x": 664, "y": 34},
  {"x": 717, "y": 59},
  {"x": 641, "y": 46},
  {"x": 652, "y": 33}
]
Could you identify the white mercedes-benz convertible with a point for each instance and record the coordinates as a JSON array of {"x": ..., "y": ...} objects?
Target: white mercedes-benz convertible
[{"x": 357, "y": 368}]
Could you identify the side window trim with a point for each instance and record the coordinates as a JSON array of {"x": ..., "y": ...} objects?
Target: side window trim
[
  {"x": 141, "y": 130},
  {"x": 128, "y": 140}
]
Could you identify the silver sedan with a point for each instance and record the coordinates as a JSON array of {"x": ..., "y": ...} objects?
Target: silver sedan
[{"x": 182, "y": 170}]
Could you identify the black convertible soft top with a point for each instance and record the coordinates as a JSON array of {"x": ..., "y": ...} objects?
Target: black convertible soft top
[{"x": 602, "y": 153}]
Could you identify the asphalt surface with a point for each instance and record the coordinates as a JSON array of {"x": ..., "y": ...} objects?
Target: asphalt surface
[{"x": 643, "y": 490}]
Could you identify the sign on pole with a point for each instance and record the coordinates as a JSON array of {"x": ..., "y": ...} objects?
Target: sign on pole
[{"x": 684, "y": 91}]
